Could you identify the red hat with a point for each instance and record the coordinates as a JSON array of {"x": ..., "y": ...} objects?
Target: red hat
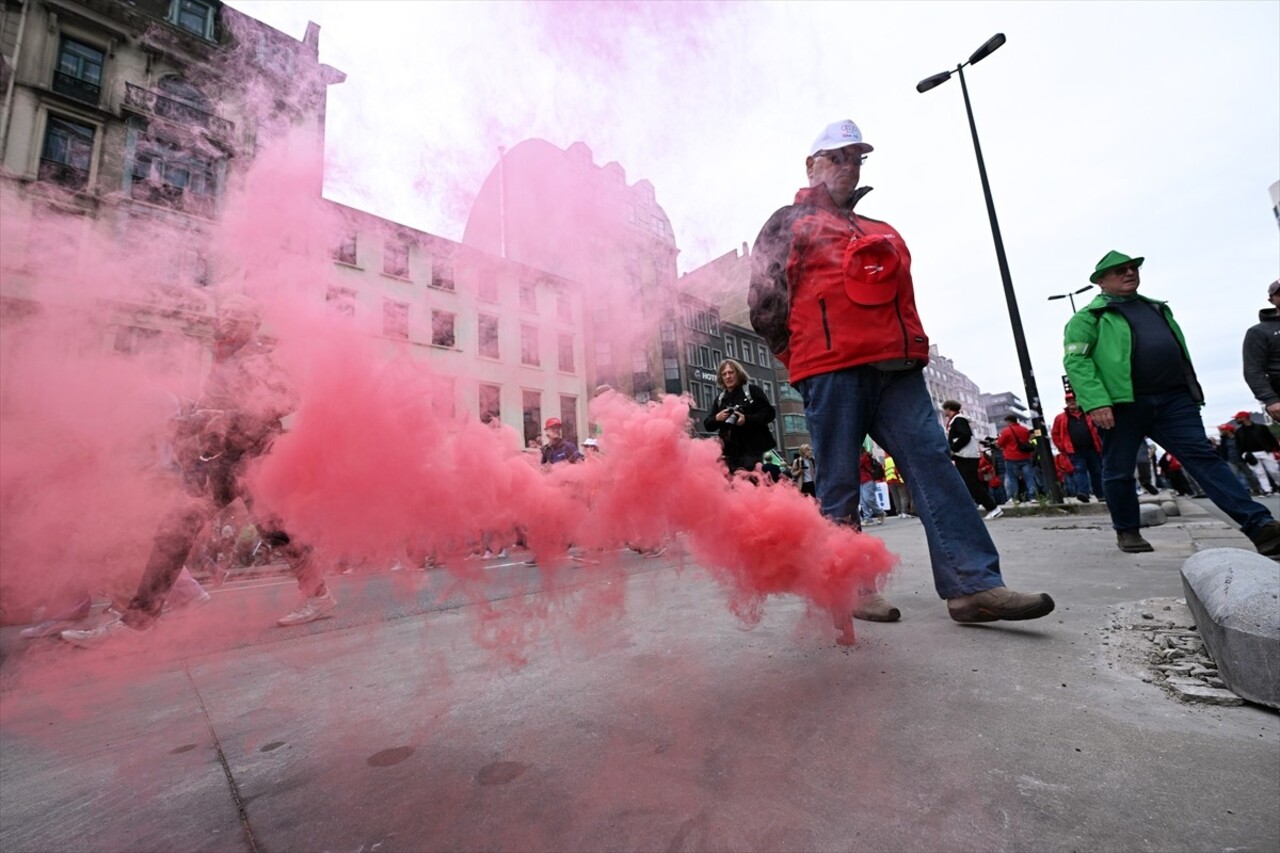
[
  {"x": 1240, "y": 415},
  {"x": 551, "y": 422},
  {"x": 1227, "y": 427}
]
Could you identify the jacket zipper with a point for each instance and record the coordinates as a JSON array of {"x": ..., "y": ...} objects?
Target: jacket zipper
[{"x": 826, "y": 330}]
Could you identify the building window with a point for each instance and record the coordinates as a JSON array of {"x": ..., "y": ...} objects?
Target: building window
[
  {"x": 529, "y": 345},
  {"x": 639, "y": 361},
  {"x": 704, "y": 354},
  {"x": 487, "y": 334},
  {"x": 564, "y": 309},
  {"x": 442, "y": 328},
  {"x": 604, "y": 355},
  {"x": 531, "y": 416},
  {"x": 716, "y": 358},
  {"x": 714, "y": 319},
  {"x": 528, "y": 297},
  {"x": 165, "y": 174},
  {"x": 746, "y": 353},
  {"x": 768, "y": 389},
  {"x": 68, "y": 151},
  {"x": 787, "y": 392},
  {"x": 395, "y": 319},
  {"x": 442, "y": 275},
  {"x": 194, "y": 16},
  {"x": 695, "y": 394},
  {"x": 490, "y": 403},
  {"x": 346, "y": 251},
  {"x": 342, "y": 301},
  {"x": 565, "y": 360},
  {"x": 79, "y": 71},
  {"x": 763, "y": 352},
  {"x": 794, "y": 423},
  {"x": 670, "y": 368},
  {"x": 395, "y": 259},
  {"x": 569, "y": 417},
  {"x": 691, "y": 354},
  {"x": 730, "y": 347}
]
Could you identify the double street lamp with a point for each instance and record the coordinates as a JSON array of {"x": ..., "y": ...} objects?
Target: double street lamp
[
  {"x": 1044, "y": 453},
  {"x": 1072, "y": 296}
]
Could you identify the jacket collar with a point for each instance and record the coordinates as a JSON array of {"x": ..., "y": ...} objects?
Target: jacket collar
[
  {"x": 1102, "y": 302},
  {"x": 820, "y": 197},
  {"x": 1268, "y": 314}
]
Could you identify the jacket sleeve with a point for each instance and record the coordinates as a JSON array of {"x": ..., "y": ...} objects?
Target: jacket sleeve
[
  {"x": 1255, "y": 366},
  {"x": 709, "y": 423},
  {"x": 959, "y": 434},
  {"x": 769, "y": 295},
  {"x": 1079, "y": 340},
  {"x": 1059, "y": 433}
]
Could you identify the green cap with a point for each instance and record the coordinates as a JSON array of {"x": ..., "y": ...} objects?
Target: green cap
[{"x": 1111, "y": 260}]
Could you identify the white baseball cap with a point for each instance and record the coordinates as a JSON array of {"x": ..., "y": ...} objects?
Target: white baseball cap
[{"x": 841, "y": 134}]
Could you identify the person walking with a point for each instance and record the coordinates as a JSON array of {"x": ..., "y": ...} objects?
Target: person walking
[
  {"x": 1257, "y": 447},
  {"x": 236, "y": 419},
  {"x": 1129, "y": 365},
  {"x": 804, "y": 470},
  {"x": 831, "y": 293},
  {"x": 1075, "y": 436},
  {"x": 740, "y": 415},
  {"x": 965, "y": 453},
  {"x": 899, "y": 494},
  {"x": 1019, "y": 454},
  {"x": 1261, "y": 354}
]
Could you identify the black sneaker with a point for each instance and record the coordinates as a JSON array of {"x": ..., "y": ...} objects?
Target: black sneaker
[{"x": 1131, "y": 542}]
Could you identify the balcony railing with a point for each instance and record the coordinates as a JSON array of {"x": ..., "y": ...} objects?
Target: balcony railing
[
  {"x": 173, "y": 197},
  {"x": 154, "y": 103},
  {"x": 63, "y": 174},
  {"x": 74, "y": 87}
]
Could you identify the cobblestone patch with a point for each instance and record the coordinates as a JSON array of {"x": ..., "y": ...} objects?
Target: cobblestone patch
[{"x": 1159, "y": 635}]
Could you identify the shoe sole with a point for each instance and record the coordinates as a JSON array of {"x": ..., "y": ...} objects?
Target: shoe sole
[
  {"x": 893, "y": 615},
  {"x": 281, "y": 623},
  {"x": 974, "y": 615},
  {"x": 1136, "y": 549}
]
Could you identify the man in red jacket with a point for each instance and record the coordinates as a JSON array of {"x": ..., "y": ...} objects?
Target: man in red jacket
[
  {"x": 1075, "y": 435},
  {"x": 1014, "y": 442},
  {"x": 831, "y": 292}
]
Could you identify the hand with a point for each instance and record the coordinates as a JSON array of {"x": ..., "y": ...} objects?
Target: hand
[
  {"x": 1103, "y": 418},
  {"x": 722, "y": 415},
  {"x": 1273, "y": 409}
]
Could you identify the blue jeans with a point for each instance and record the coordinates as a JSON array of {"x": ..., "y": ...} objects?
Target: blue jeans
[
  {"x": 1088, "y": 465},
  {"x": 1173, "y": 420},
  {"x": 868, "y": 505},
  {"x": 1026, "y": 468},
  {"x": 894, "y": 408}
]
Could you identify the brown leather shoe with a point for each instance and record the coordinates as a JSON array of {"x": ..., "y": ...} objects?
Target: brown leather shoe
[
  {"x": 1131, "y": 542},
  {"x": 873, "y": 608},
  {"x": 999, "y": 603}
]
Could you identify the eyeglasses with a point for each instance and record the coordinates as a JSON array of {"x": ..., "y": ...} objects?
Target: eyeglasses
[
  {"x": 843, "y": 157},
  {"x": 1123, "y": 270}
]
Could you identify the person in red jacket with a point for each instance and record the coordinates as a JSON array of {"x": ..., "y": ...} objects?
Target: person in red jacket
[
  {"x": 1075, "y": 435},
  {"x": 832, "y": 294},
  {"x": 1014, "y": 442}
]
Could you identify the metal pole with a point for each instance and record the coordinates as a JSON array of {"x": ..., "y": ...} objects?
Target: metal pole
[{"x": 1043, "y": 451}]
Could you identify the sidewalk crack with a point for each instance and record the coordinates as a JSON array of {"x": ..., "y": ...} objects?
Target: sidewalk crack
[{"x": 226, "y": 768}]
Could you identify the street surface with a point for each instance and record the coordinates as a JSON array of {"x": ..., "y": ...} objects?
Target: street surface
[{"x": 628, "y": 709}]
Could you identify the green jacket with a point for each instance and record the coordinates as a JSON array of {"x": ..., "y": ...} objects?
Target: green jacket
[{"x": 1097, "y": 347}]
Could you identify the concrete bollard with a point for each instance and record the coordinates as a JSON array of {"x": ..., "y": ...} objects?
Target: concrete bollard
[
  {"x": 1151, "y": 515},
  {"x": 1170, "y": 508},
  {"x": 1235, "y": 597}
]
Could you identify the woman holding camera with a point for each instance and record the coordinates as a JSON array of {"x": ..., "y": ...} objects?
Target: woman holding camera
[{"x": 741, "y": 415}]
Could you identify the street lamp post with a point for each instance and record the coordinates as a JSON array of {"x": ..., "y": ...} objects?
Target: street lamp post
[
  {"x": 1072, "y": 296},
  {"x": 1043, "y": 450}
]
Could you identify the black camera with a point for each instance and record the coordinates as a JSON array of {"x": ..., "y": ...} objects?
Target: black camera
[{"x": 735, "y": 415}]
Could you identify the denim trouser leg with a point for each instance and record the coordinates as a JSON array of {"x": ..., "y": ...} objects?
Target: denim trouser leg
[
  {"x": 1177, "y": 427},
  {"x": 1119, "y": 449},
  {"x": 867, "y": 500},
  {"x": 1093, "y": 462},
  {"x": 844, "y": 406},
  {"x": 1014, "y": 470}
]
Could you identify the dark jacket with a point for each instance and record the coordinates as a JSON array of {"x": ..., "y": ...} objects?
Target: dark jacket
[
  {"x": 831, "y": 290},
  {"x": 1061, "y": 432},
  {"x": 1262, "y": 357},
  {"x": 1255, "y": 438},
  {"x": 751, "y": 436}
]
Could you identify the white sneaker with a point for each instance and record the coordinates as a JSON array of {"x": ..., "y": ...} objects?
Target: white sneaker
[
  {"x": 315, "y": 607},
  {"x": 995, "y": 513},
  {"x": 93, "y": 637}
]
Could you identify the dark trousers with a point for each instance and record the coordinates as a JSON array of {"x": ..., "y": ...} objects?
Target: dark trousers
[
  {"x": 968, "y": 469},
  {"x": 214, "y": 485},
  {"x": 1173, "y": 420},
  {"x": 1088, "y": 465}
]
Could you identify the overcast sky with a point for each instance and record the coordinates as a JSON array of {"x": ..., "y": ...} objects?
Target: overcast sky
[{"x": 1148, "y": 127}]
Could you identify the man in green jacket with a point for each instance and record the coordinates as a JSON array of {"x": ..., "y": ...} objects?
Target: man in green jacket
[{"x": 1131, "y": 372}]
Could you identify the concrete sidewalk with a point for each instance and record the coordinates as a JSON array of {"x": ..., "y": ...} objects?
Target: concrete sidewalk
[{"x": 671, "y": 727}]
